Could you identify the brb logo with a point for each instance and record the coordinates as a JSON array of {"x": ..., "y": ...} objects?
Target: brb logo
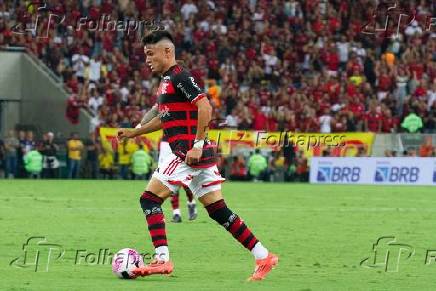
[
  {"x": 434, "y": 173},
  {"x": 396, "y": 174},
  {"x": 338, "y": 174}
]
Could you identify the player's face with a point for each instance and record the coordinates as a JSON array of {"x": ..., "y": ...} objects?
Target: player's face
[{"x": 154, "y": 57}]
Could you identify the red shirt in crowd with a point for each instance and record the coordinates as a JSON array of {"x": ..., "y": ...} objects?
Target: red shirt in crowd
[
  {"x": 418, "y": 69},
  {"x": 384, "y": 83},
  {"x": 388, "y": 123},
  {"x": 374, "y": 121}
]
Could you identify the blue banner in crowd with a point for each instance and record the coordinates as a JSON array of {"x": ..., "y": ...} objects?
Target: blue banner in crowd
[{"x": 376, "y": 171}]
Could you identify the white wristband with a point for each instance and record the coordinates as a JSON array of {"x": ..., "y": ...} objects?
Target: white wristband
[{"x": 198, "y": 144}]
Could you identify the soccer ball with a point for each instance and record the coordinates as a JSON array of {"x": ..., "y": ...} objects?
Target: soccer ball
[{"x": 124, "y": 261}]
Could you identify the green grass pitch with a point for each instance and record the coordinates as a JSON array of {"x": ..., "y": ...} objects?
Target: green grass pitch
[{"x": 321, "y": 234}]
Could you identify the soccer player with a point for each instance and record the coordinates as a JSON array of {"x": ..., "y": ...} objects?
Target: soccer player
[
  {"x": 184, "y": 114},
  {"x": 164, "y": 152}
]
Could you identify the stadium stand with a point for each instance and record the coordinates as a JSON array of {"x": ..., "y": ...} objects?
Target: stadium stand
[
  {"x": 274, "y": 65},
  {"x": 300, "y": 66}
]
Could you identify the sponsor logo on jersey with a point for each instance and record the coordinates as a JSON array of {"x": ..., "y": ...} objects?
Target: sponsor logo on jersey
[{"x": 194, "y": 84}]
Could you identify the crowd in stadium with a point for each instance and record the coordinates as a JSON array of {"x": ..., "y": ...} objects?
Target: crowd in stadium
[
  {"x": 277, "y": 65},
  {"x": 301, "y": 66}
]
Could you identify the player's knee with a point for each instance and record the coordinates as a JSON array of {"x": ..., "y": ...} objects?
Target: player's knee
[
  {"x": 219, "y": 212},
  {"x": 149, "y": 200}
]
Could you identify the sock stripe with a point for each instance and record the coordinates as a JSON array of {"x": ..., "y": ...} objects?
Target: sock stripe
[
  {"x": 248, "y": 240},
  {"x": 211, "y": 208},
  {"x": 240, "y": 230},
  {"x": 219, "y": 212},
  {"x": 157, "y": 232},
  {"x": 175, "y": 201},
  {"x": 236, "y": 225},
  {"x": 150, "y": 196},
  {"x": 156, "y": 226},
  {"x": 160, "y": 243},
  {"x": 151, "y": 206},
  {"x": 244, "y": 235},
  {"x": 158, "y": 237},
  {"x": 252, "y": 243},
  {"x": 155, "y": 218}
]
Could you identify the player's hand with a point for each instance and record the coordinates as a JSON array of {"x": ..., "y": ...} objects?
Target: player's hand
[
  {"x": 125, "y": 133},
  {"x": 193, "y": 156}
]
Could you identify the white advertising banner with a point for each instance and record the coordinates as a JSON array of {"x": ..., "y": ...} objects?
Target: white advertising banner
[{"x": 378, "y": 171}]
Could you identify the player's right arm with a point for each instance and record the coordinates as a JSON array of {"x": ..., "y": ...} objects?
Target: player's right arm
[
  {"x": 152, "y": 113},
  {"x": 150, "y": 126}
]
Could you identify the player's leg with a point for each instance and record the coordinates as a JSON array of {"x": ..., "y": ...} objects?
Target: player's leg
[
  {"x": 160, "y": 187},
  {"x": 192, "y": 207},
  {"x": 151, "y": 201},
  {"x": 218, "y": 211},
  {"x": 177, "y": 216},
  {"x": 207, "y": 187}
]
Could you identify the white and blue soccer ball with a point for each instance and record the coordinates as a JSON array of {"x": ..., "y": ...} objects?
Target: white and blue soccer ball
[{"x": 125, "y": 261}]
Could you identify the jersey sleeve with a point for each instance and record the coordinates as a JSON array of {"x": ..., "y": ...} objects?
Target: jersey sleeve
[{"x": 187, "y": 87}]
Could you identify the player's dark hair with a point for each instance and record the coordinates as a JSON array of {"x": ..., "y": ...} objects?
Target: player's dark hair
[{"x": 156, "y": 36}]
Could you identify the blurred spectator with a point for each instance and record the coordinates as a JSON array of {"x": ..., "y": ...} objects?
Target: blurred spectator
[
  {"x": 288, "y": 150},
  {"x": 11, "y": 147},
  {"x": 106, "y": 164},
  {"x": 238, "y": 169},
  {"x": 361, "y": 152},
  {"x": 91, "y": 162},
  {"x": 141, "y": 164},
  {"x": 373, "y": 120},
  {"x": 21, "y": 171},
  {"x": 95, "y": 102},
  {"x": 2, "y": 159},
  {"x": 430, "y": 121},
  {"x": 50, "y": 160},
  {"x": 302, "y": 169},
  {"x": 257, "y": 166},
  {"x": 277, "y": 166},
  {"x": 74, "y": 150},
  {"x": 232, "y": 120},
  {"x": 29, "y": 142},
  {"x": 426, "y": 149},
  {"x": 325, "y": 122},
  {"x": 33, "y": 162},
  {"x": 290, "y": 174},
  {"x": 411, "y": 152},
  {"x": 389, "y": 122},
  {"x": 124, "y": 154},
  {"x": 412, "y": 123},
  {"x": 73, "y": 108}
]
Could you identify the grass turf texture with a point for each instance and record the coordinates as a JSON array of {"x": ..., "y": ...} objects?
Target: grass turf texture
[{"x": 321, "y": 234}]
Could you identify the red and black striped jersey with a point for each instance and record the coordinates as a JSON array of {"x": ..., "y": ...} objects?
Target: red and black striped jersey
[{"x": 177, "y": 95}]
